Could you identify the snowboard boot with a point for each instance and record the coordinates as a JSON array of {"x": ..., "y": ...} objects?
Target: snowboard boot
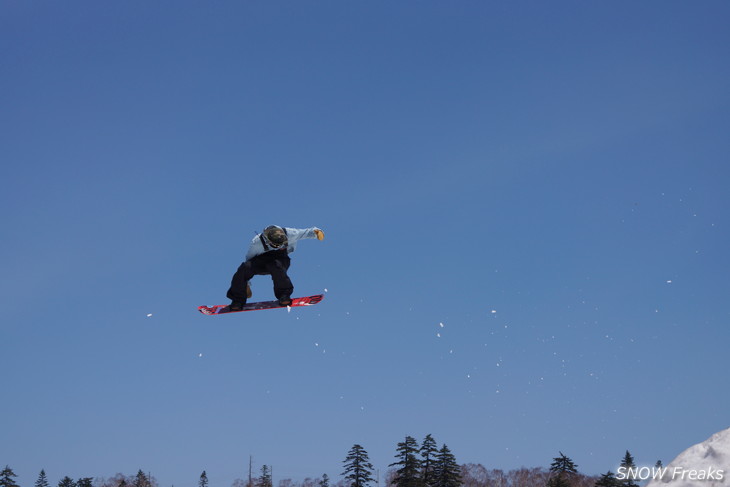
[
  {"x": 285, "y": 301},
  {"x": 236, "y": 306}
]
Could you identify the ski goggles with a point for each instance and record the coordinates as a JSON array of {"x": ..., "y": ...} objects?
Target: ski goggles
[{"x": 275, "y": 245}]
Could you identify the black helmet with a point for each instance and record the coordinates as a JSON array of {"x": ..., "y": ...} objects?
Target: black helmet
[{"x": 275, "y": 236}]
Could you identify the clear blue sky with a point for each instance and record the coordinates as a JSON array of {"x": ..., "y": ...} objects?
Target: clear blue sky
[{"x": 548, "y": 180}]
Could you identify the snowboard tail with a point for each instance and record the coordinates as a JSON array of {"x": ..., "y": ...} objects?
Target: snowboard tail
[{"x": 224, "y": 309}]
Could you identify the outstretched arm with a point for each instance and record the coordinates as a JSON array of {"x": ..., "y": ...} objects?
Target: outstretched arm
[{"x": 295, "y": 234}]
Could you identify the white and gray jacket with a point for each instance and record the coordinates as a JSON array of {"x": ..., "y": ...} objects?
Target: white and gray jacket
[{"x": 293, "y": 235}]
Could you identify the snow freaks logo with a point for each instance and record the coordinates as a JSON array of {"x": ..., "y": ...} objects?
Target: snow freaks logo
[{"x": 674, "y": 473}]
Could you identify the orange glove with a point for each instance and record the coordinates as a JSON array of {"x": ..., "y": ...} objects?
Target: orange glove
[{"x": 320, "y": 234}]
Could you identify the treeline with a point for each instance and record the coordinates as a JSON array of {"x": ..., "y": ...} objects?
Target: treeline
[
  {"x": 7, "y": 479},
  {"x": 424, "y": 465},
  {"x": 563, "y": 472},
  {"x": 416, "y": 465}
]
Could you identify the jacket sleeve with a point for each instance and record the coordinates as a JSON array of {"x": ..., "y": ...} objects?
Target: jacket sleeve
[{"x": 294, "y": 234}]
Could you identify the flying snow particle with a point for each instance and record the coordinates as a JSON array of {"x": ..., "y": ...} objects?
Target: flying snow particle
[
  {"x": 669, "y": 281},
  {"x": 316, "y": 344},
  {"x": 438, "y": 335},
  {"x": 325, "y": 290},
  {"x": 149, "y": 315},
  {"x": 494, "y": 311},
  {"x": 441, "y": 325},
  {"x": 200, "y": 355}
]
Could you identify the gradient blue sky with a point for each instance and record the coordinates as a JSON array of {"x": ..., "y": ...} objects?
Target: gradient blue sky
[{"x": 548, "y": 180}]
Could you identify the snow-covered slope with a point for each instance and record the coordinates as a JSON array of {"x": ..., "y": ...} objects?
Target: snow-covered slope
[{"x": 705, "y": 464}]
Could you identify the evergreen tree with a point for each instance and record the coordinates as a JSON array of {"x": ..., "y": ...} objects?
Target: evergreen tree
[
  {"x": 408, "y": 475},
  {"x": 203, "y": 482},
  {"x": 628, "y": 460},
  {"x": 6, "y": 477},
  {"x": 141, "y": 480},
  {"x": 42, "y": 480},
  {"x": 85, "y": 482},
  {"x": 446, "y": 472},
  {"x": 358, "y": 469},
  {"x": 428, "y": 451},
  {"x": 608, "y": 479},
  {"x": 563, "y": 464},
  {"x": 265, "y": 479},
  {"x": 325, "y": 482},
  {"x": 67, "y": 482},
  {"x": 628, "y": 463},
  {"x": 563, "y": 469}
]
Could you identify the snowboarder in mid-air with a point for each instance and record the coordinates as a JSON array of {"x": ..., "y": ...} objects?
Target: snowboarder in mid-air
[{"x": 269, "y": 255}]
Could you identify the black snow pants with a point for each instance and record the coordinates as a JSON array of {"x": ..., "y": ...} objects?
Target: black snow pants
[{"x": 274, "y": 263}]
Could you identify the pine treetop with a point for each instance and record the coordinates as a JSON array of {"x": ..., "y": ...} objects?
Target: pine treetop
[
  {"x": 42, "y": 479},
  {"x": 408, "y": 475},
  {"x": 628, "y": 460},
  {"x": 67, "y": 482},
  {"x": 608, "y": 479},
  {"x": 563, "y": 464},
  {"x": 6, "y": 477},
  {"x": 358, "y": 469},
  {"x": 447, "y": 472},
  {"x": 429, "y": 451}
]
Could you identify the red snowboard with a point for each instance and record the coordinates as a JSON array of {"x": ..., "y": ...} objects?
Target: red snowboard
[{"x": 223, "y": 308}]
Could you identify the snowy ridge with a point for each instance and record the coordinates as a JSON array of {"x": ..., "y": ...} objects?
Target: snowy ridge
[{"x": 705, "y": 464}]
